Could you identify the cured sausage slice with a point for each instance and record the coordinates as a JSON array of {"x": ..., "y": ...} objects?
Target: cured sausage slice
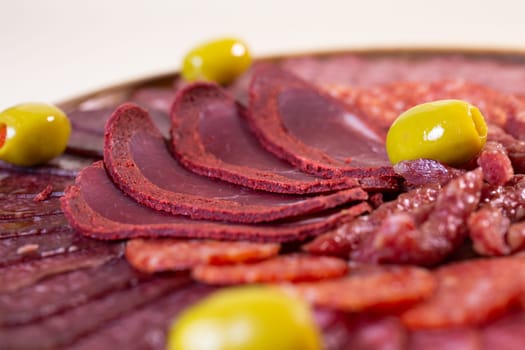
[
  {"x": 210, "y": 138},
  {"x": 138, "y": 160},
  {"x": 96, "y": 208},
  {"x": 311, "y": 130},
  {"x": 155, "y": 255}
]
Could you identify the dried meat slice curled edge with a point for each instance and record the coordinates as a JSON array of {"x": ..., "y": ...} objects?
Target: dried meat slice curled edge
[{"x": 139, "y": 162}]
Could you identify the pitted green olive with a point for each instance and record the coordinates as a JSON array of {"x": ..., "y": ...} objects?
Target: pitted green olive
[
  {"x": 246, "y": 318},
  {"x": 221, "y": 61},
  {"x": 450, "y": 131},
  {"x": 33, "y": 133}
]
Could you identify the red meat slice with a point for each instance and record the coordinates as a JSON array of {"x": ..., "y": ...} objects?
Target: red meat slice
[
  {"x": 496, "y": 165},
  {"x": 138, "y": 160},
  {"x": 374, "y": 289},
  {"x": 96, "y": 208},
  {"x": 446, "y": 339},
  {"x": 469, "y": 293},
  {"x": 155, "y": 255},
  {"x": 311, "y": 130},
  {"x": 283, "y": 268},
  {"x": 211, "y": 138}
]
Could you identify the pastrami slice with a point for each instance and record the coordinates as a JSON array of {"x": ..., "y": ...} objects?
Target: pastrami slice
[
  {"x": 139, "y": 162},
  {"x": 312, "y": 130},
  {"x": 210, "y": 137},
  {"x": 96, "y": 208}
]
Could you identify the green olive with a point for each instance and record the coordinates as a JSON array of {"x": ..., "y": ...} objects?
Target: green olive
[
  {"x": 450, "y": 131},
  {"x": 221, "y": 61},
  {"x": 247, "y": 318},
  {"x": 32, "y": 133}
]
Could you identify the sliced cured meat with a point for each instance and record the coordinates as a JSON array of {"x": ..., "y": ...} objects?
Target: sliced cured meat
[
  {"x": 211, "y": 138},
  {"x": 346, "y": 238},
  {"x": 283, "y": 268},
  {"x": 25, "y": 274},
  {"x": 96, "y": 208},
  {"x": 139, "y": 162},
  {"x": 446, "y": 339},
  {"x": 427, "y": 235},
  {"x": 173, "y": 254},
  {"x": 62, "y": 329},
  {"x": 488, "y": 230},
  {"x": 144, "y": 328},
  {"x": 64, "y": 165},
  {"x": 506, "y": 333},
  {"x": 14, "y": 207},
  {"x": 155, "y": 98},
  {"x": 17, "y": 183},
  {"x": 311, "y": 130},
  {"x": 65, "y": 291},
  {"x": 422, "y": 172},
  {"x": 32, "y": 226},
  {"x": 496, "y": 165},
  {"x": 469, "y": 293},
  {"x": 515, "y": 148},
  {"x": 379, "y": 289},
  {"x": 25, "y": 248}
]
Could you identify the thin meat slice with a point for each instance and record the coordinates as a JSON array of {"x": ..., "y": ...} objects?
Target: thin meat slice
[
  {"x": 312, "y": 130},
  {"x": 25, "y": 274},
  {"x": 96, "y": 208},
  {"x": 62, "y": 329},
  {"x": 283, "y": 268},
  {"x": 27, "y": 184},
  {"x": 14, "y": 207},
  {"x": 32, "y": 226},
  {"x": 211, "y": 138},
  {"x": 346, "y": 238},
  {"x": 65, "y": 291},
  {"x": 138, "y": 160},
  {"x": 155, "y": 255},
  {"x": 420, "y": 172},
  {"x": 496, "y": 165},
  {"x": 469, "y": 293},
  {"x": 382, "y": 289},
  {"x": 426, "y": 235},
  {"x": 447, "y": 339}
]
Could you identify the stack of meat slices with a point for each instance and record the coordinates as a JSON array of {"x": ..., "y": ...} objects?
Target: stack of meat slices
[{"x": 292, "y": 189}]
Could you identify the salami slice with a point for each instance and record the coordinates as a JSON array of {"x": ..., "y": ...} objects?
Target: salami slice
[
  {"x": 379, "y": 289},
  {"x": 211, "y": 138},
  {"x": 139, "y": 162},
  {"x": 311, "y": 130},
  {"x": 469, "y": 293},
  {"x": 96, "y": 208},
  {"x": 155, "y": 255},
  {"x": 283, "y": 268}
]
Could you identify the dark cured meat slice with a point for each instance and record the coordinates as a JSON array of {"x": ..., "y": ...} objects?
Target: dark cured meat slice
[
  {"x": 210, "y": 138},
  {"x": 25, "y": 274},
  {"x": 96, "y": 208},
  {"x": 421, "y": 172},
  {"x": 346, "y": 238},
  {"x": 16, "y": 183},
  {"x": 13, "y": 207},
  {"x": 66, "y": 165},
  {"x": 25, "y": 248},
  {"x": 377, "y": 289},
  {"x": 282, "y": 268},
  {"x": 32, "y": 226},
  {"x": 311, "y": 130},
  {"x": 140, "y": 164},
  {"x": 173, "y": 254},
  {"x": 469, "y": 293},
  {"x": 62, "y": 329},
  {"x": 413, "y": 238},
  {"x": 65, "y": 291},
  {"x": 145, "y": 328}
]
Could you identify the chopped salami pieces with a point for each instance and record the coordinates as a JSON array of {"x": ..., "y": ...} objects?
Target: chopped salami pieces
[
  {"x": 488, "y": 230},
  {"x": 420, "y": 172},
  {"x": 211, "y": 138},
  {"x": 44, "y": 194},
  {"x": 515, "y": 148},
  {"x": 173, "y": 254},
  {"x": 283, "y": 268},
  {"x": 469, "y": 293},
  {"x": 346, "y": 238},
  {"x": 496, "y": 165},
  {"x": 426, "y": 235},
  {"x": 314, "y": 132},
  {"x": 117, "y": 217},
  {"x": 450, "y": 338},
  {"x": 138, "y": 160},
  {"x": 506, "y": 333},
  {"x": 382, "y": 289}
]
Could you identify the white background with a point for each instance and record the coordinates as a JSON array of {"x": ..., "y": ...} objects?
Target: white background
[{"x": 55, "y": 49}]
